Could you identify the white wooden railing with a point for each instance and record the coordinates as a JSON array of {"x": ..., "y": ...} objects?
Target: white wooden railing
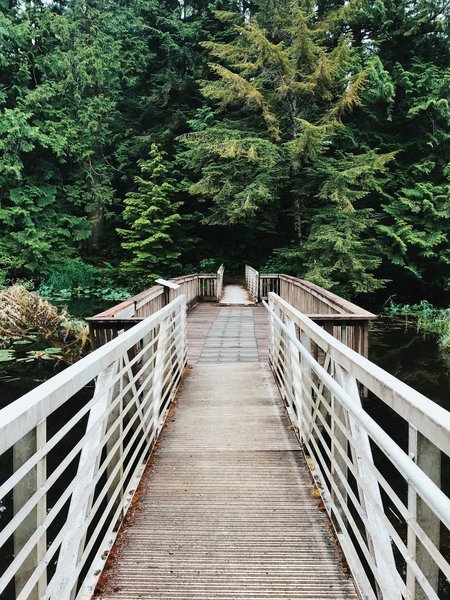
[
  {"x": 219, "y": 292},
  {"x": 388, "y": 512},
  {"x": 76, "y": 456},
  {"x": 252, "y": 282},
  {"x": 196, "y": 287}
]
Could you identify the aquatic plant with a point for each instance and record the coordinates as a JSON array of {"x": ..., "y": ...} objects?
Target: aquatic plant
[
  {"x": 426, "y": 318},
  {"x": 6, "y": 355},
  {"x": 78, "y": 279},
  {"x": 25, "y": 316},
  {"x": 46, "y": 354}
]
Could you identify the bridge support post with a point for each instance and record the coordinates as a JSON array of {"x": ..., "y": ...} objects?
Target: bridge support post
[
  {"x": 115, "y": 422},
  {"x": 275, "y": 344},
  {"x": 339, "y": 439},
  {"x": 428, "y": 457},
  {"x": 23, "y": 491},
  {"x": 339, "y": 446},
  {"x": 306, "y": 387},
  {"x": 158, "y": 376}
]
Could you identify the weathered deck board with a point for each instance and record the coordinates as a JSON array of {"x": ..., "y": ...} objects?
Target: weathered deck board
[
  {"x": 200, "y": 318},
  {"x": 210, "y": 326},
  {"x": 226, "y": 511}
]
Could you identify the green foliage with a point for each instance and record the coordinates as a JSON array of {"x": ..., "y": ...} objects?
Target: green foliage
[
  {"x": 283, "y": 90},
  {"x": 309, "y": 135},
  {"x": 152, "y": 217},
  {"x": 335, "y": 255},
  {"x": 406, "y": 109},
  {"x": 208, "y": 265},
  {"x": 427, "y": 318},
  {"x": 74, "y": 274},
  {"x": 79, "y": 279}
]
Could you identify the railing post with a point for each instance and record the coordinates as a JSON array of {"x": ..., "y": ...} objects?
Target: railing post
[
  {"x": 23, "y": 491},
  {"x": 182, "y": 339},
  {"x": 305, "y": 340},
  {"x": 378, "y": 538},
  {"x": 159, "y": 373},
  {"x": 339, "y": 446},
  {"x": 115, "y": 422},
  {"x": 271, "y": 332},
  {"x": 296, "y": 382},
  {"x": 64, "y": 579},
  {"x": 277, "y": 340},
  {"x": 219, "y": 285},
  {"x": 428, "y": 457}
]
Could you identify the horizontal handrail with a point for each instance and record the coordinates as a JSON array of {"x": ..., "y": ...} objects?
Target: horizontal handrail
[
  {"x": 292, "y": 289},
  {"x": 427, "y": 416},
  {"x": 131, "y": 306},
  {"x": 102, "y": 445},
  {"x": 321, "y": 391},
  {"x": 197, "y": 286},
  {"x": 340, "y": 305}
]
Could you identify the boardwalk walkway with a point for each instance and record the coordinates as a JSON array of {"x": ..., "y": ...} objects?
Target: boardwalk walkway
[
  {"x": 226, "y": 511},
  {"x": 236, "y": 295}
]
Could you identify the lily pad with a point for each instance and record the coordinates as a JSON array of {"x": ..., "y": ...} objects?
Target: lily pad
[{"x": 7, "y": 355}]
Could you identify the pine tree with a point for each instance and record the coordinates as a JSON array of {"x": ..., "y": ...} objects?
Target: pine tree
[
  {"x": 152, "y": 218},
  {"x": 404, "y": 46},
  {"x": 38, "y": 225},
  {"x": 283, "y": 93}
]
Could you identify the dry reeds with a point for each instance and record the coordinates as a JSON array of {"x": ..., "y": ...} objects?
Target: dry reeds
[{"x": 26, "y": 314}]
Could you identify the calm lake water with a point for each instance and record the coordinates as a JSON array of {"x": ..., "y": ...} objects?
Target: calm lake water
[{"x": 411, "y": 356}]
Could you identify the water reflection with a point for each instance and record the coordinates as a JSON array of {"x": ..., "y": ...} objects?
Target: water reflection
[{"x": 413, "y": 357}]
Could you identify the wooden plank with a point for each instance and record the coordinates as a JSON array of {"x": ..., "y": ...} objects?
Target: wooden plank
[
  {"x": 227, "y": 510},
  {"x": 199, "y": 327}
]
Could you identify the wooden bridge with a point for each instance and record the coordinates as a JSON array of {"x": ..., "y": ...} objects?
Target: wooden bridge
[{"x": 238, "y": 426}]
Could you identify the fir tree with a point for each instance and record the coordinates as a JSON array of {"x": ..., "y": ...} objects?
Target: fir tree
[
  {"x": 39, "y": 227},
  {"x": 406, "y": 109},
  {"x": 283, "y": 93},
  {"x": 152, "y": 218}
]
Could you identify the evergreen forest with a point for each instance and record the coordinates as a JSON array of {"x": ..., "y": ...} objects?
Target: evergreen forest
[{"x": 147, "y": 138}]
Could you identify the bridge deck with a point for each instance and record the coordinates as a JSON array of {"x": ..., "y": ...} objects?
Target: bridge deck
[
  {"x": 226, "y": 510},
  {"x": 235, "y": 294}
]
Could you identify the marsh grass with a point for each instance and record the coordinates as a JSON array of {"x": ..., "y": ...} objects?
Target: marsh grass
[{"x": 425, "y": 317}]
